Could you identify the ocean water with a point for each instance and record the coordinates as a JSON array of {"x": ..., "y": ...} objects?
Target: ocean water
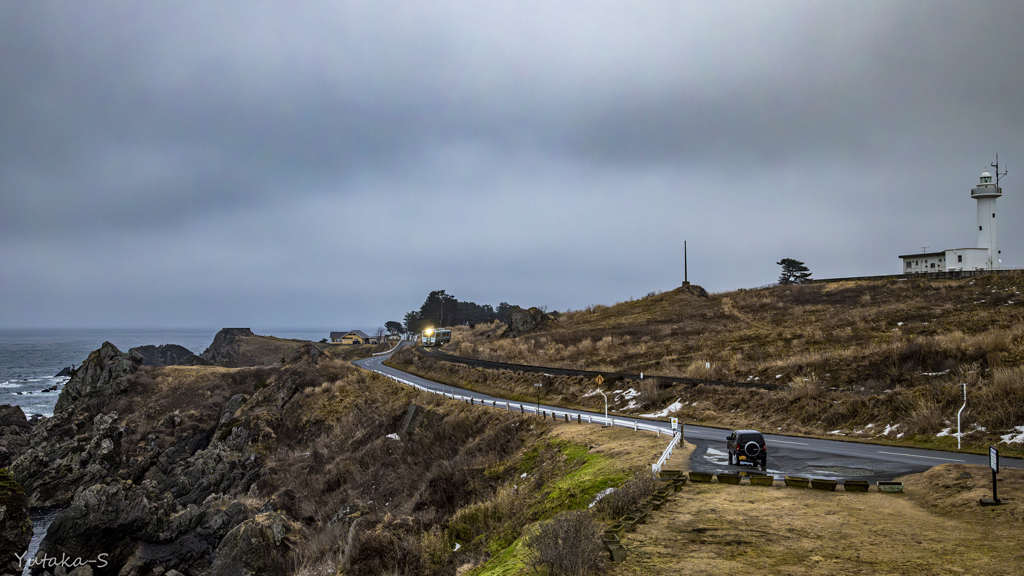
[{"x": 30, "y": 359}]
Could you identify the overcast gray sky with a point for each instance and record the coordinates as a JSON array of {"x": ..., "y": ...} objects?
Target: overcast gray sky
[{"x": 184, "y": 164}]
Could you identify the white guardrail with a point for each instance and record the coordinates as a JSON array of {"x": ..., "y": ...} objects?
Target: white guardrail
[
  {"x": 386, "y": 352},
  {"x": 532, "y": 409}
]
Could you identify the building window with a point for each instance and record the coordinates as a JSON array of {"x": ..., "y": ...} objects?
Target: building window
[
  {"x": 959, "y": 257},
  {"x": 993, "y": 214},
  {"x": 933, "y": 264},
  {"x": 979, "y": 227}
]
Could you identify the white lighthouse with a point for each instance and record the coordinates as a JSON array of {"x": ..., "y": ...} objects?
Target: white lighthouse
[
  {"x": 986, "y": 193},
  {"x": 986, "y": 256}
]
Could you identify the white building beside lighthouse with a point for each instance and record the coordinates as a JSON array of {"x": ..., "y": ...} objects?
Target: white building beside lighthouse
[{"x": 986, "y": 256}]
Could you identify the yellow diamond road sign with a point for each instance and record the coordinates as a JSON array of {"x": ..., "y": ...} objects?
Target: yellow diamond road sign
[{"x": 599, "y": 379}]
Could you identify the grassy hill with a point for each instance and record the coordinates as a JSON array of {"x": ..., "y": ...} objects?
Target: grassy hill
[{"x": 857, "y": 358}]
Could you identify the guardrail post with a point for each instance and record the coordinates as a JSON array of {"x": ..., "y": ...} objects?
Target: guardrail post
[{"x": 521, "y": 411}]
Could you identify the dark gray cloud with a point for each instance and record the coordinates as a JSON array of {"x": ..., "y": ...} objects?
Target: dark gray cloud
[{"x": 329, "y": 163}]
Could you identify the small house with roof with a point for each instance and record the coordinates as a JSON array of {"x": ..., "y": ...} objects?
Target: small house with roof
[{"x": 353, "y": 337}]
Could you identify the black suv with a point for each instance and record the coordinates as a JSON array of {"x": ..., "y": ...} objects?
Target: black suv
[{"x": 747, "y": 446}]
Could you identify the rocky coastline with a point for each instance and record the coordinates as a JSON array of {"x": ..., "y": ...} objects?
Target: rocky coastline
[
  {"x": 269, "y": 456},
  {"x": 147, "y": 504}
]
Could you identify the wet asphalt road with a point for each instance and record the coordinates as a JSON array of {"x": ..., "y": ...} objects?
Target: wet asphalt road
[{"x": 787, "y": 455}]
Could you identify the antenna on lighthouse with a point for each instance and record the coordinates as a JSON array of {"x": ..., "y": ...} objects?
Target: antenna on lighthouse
[{"x": 996, "y": 166}]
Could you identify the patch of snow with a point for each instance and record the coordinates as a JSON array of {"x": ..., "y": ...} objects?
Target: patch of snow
[
  {"x": 394, "y": 437},
  {"x": 630, "y": 394},
  {"x": 523, "y": 475},
  {"x": 601, "y": 494},
  {"x": 457, "y": 546},
  {"x": 633, "y": 405},
  {"x": 949, "y": 432},
  {"x": 890, "y": 428},
  {"x": 899, "y": 323},
  {"x": 837, "y": 433},
  {"x": 900, "y": 435},
  {"x": 944, "y": 372},
  {"x": 1011, "y": 438},
  {"x": 777, "y": 376},
  {"x": 716, "y": 456},
  {"x": 593, "y": 392},
  {"x": 870, "y": 426},
  {"x": 674, "y": 407}
]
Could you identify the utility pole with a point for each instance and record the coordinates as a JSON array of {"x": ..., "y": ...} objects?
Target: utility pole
[{"x": 686, "y": 277}]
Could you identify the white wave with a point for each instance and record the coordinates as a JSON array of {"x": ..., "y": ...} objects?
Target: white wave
[{"x": 9, "y": 384}]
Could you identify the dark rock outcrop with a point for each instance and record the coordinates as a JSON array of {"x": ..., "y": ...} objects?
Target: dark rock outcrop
[
  {"x": 310, "y": 352},
  {"x": 167, "y": 355},
  {"x": 15, "y": 525},
  {"x": 692, "y": 289},
  {"x": 14, "y": 434},
  {"x": 257, "y": 546},
  {"x": 159, "y": 486},
  {"x": 68, "y": 451},
  {"x": 65, "y": 371},
  {"x": 102, "y": 376},
  {"x": 225, "y": 348},
  {"x": 525, "y": 321},
  {"x": 140, "y": 530},
  {"x": 13, "y": 417}
]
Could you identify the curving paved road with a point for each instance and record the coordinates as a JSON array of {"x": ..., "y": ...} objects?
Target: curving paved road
[{"x": 792, "y": 455}]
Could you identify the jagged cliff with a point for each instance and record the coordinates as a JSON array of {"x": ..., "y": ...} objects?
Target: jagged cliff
[{"x": 207, "y": 470}]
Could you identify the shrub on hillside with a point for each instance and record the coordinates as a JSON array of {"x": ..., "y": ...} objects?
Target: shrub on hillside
[
  {"x": 569, "y": 544},
  {"x": 626, "y": 497}
]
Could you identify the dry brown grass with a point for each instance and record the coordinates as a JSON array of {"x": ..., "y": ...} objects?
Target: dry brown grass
[
  {"x": 936, "y": 527},
  {"x": 872, "y": 353},
  {"x": 849, "y": 330}
]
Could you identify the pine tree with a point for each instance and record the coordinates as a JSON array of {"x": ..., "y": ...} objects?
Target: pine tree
[{"x": 793, "y": 271}]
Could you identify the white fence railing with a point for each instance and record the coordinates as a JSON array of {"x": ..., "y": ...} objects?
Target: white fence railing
[
  {"x": 656, "y": 467},
  {"x": 533, "y": 409}
]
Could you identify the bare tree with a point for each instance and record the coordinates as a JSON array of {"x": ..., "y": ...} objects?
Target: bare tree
[{"x": 381, "y": 331}]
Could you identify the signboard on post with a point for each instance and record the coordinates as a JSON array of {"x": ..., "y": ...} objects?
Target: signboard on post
[
  {"x": 599, "y": 379},
  {"x": 675, "y": 424},
  {"x": 993, "y": 463}
]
